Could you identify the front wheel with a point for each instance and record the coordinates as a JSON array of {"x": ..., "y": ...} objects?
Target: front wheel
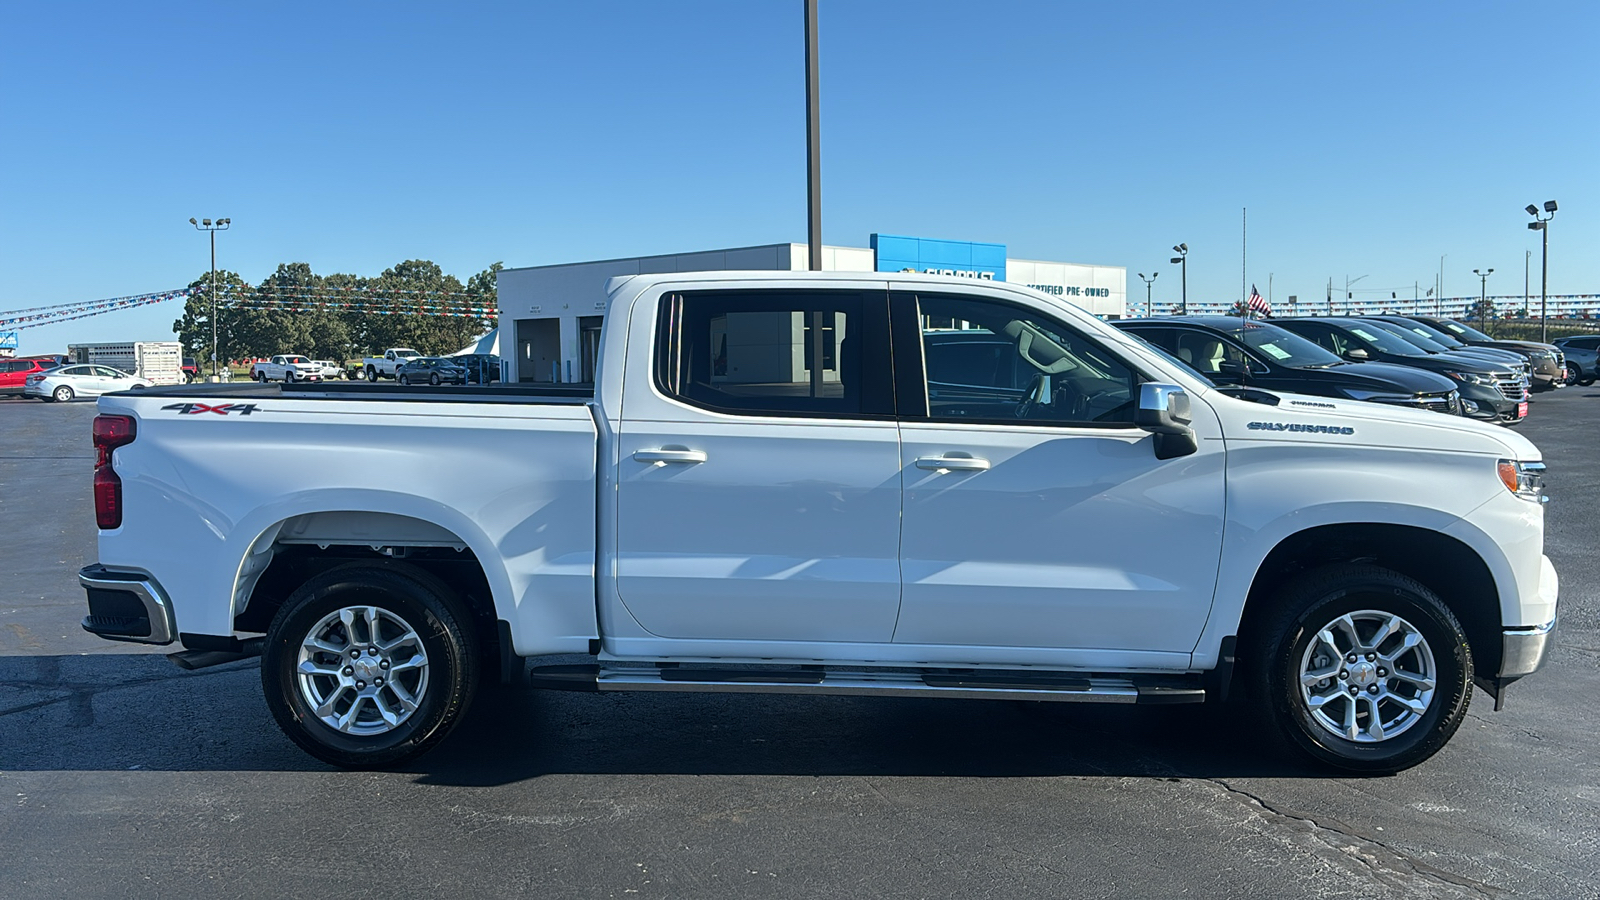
[
  {"x": 369, "y": 665},
  {"x": 404, "y": 380},
  {"x": 62, "y": 393},
  {"x": 1574, "y": 373},
  {"x": 1363, "y": 668},
  {"x": 434, "y": 379}
]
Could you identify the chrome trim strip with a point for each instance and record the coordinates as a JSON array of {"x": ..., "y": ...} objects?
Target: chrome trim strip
[
  {"x": 857, "y": 684},
  {"x": 1523, "y": 650},
  {"x": 157, "y": 608}
]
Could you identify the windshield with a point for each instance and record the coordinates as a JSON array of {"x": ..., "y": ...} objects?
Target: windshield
[
  {"x": 1423, "y": 330},
  {"x": 295, "y": 359},
  {"x": 1416, "y": 340},
  {"x": 1285, "y": 347},
  {"x": 1385, "y": 341},
  {"x": 1172, "y": 359},
  {"x": 1464, "y": 332}
]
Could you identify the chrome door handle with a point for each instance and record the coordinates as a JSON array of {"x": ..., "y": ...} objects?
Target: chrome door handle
[
  {"x": 953, "y": 463},
  {"x": 670, "y": 456}
]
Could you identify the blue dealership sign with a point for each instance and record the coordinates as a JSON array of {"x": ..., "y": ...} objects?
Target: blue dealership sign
[
  {"x": 894, "y": 253},
  {"x": 9, "y": 339}
]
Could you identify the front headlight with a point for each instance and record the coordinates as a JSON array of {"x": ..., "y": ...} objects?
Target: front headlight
[
  {"x": 1472, "y": 377},
  {"x": 1525, "y": 479}
]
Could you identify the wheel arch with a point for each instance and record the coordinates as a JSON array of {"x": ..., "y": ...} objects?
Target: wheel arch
[
  {"x": 292, "y": 549},
  {"x": 1448, "y": 566}
]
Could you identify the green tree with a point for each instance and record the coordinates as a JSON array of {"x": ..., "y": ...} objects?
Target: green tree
[
  {"x": 194, "y": 326},
  {"x": 299, "y": 316},
  {"x": 413, "y": 293}
]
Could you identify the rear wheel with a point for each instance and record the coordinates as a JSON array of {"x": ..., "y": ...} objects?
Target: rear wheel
[
  {"x": 1364, "y": 669},
  {"x": 405, "y": 380},
  {"x": 434, "y": 379},
  {"x": 372, "y": 374},
  {"x": 369, "y": 665}
]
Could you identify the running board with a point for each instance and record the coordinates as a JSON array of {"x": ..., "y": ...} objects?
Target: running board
[{"x": 970, "y": 684}]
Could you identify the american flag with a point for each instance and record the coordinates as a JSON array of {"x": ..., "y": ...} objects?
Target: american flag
[{"x": 1258, "y": 303}]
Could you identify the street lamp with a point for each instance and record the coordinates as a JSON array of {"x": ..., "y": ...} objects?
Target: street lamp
[
  {"x": 1483, "y": 299},
  {"x": 1147, "y": 282},
  {"x": 213, "y": 228},
  {"x": 1543, "y": 225},
  {"x": 1347, "y": 282},
  {"x": 1183, "y": 259}
]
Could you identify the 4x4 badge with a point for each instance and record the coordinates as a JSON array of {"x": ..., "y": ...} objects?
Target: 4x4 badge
[{"x": 221, "y": 409}]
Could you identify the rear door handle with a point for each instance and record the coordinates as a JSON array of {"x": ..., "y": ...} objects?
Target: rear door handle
[
  {"x": 953, "y": 463},
  {"x": 670, "y": 456}
]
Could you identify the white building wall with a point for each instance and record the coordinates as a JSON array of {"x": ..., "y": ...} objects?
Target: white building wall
[{"x": 1102, "y": 290}]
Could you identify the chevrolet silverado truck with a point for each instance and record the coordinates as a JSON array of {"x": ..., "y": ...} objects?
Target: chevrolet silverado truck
[
  {"x": 775, "y": 488},
  {"x": 388, "y": 365}
]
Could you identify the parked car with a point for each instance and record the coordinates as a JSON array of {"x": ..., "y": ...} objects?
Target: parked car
[
  {"x": 65, "y": 383},
  {"x": 388, "y": 365},
  {"x": 482, "y": 368},
  {"x": 1253, "y": 353},
  {"x": 287, "y": 368},
  {"x": 813, "y": 519},
  {"x": 1582, "y": 353},
  {"x": 191, "y": 369},
  {"x": 1549, "y": 367},
  {"x": 1488, "y": 391},
  {"x": 329, "y": 369},
  {"x": 14, "y": 375},
  {"x": 1447, "y": 341},
  {"x": 432, "y": 369}
]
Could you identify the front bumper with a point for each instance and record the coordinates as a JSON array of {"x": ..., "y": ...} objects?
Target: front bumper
[
  {"x": 1523, "y": 650},
  {"x": 127, "y": 606}
]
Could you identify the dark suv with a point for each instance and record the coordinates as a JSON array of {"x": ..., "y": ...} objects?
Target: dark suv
[
  {"x": 1489, "y": 391},
  {"x": 1549, "y": 366},
  {"x": 1258, "y": 354},
  {"x": 1583, "y": 357}
]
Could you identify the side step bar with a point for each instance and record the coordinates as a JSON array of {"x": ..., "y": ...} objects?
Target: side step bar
[{"x": 971, "y": 684}]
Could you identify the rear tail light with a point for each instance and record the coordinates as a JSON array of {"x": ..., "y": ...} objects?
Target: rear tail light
[{"x": 110, "y": 432}]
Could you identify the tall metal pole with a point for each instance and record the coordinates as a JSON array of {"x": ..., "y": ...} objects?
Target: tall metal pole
[
  {"x": 1438, "y": 298},
  {"x": 1526, "y": 256},
  {"x": 1185, "y": 277},
  {"x": 813, "y": 145},
  {"x": 214, "y": 307},
  {"x": 1544, "y": 286}
]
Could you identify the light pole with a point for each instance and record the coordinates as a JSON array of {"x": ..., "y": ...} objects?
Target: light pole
[
  {"x": 813, "y": 145},
  {"x": 1483, "y": 298},
  {"x": 1543, "y": 225},
  {"x": 1183, "y": 259},
  {"x": 1148, "y": 311},
  {"x": 208, "y": 226},
  {"x": 1438, "y": 296}
]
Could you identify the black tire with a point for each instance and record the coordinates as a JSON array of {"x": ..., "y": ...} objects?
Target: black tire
[
  {"x": 414, "y": 599},
  {"x": 1574, "y": 373},
  {"x": 1285, "y": 639},
  {"x": 434, "y": 379},
  {"x": 372, "y": 374},
  {"x": 63, "y": 394},
  {"x": 404, "y": 380}
]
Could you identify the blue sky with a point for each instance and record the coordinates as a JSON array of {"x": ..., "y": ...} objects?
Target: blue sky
[{"x": 1365, "y": 139}]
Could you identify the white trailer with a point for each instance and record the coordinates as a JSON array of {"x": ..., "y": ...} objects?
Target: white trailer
[{"x": 158, "y": 361}]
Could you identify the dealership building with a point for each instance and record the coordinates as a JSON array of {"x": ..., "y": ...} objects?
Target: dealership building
[{"x": 550, "y": 316}]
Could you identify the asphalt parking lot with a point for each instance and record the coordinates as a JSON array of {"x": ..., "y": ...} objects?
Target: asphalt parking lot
[{"x": 121, "y": 775}]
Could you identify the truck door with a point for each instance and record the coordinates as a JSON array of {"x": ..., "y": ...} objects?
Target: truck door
[
  {"x": 1041, "y": 518},
  {"x": 758, "y": 483}
]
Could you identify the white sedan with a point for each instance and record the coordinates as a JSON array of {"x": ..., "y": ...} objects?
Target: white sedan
[{"x": 67, "y": 382}]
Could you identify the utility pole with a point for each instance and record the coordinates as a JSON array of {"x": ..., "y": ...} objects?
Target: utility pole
[
  {"x": 813, "y": 144},
  {"x": 1483, "y": 300},
  {"x": 206, "y": 225}
]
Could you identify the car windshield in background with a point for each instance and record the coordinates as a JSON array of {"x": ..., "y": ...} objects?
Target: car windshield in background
[
  {"x": 1465, "y": 332},
  {"x": 1416, "y": 340},
  {"x": 1444, "y": 339},
  {"x": 1172, "y": 359},
  {"x": 1386, "y": 341},
  {"x": 1285, "y": 347}
]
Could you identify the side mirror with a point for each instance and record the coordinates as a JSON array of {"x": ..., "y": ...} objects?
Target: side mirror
[
  {"x": 1164, "y": 412},
  {"x": 1356, "y": 355}
]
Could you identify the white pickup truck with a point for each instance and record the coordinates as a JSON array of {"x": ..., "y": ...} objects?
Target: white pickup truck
[
  {"x": 287, "y": 368},
  {"x": 814, "y": 483},
  {"x": 387, "y": 365}
]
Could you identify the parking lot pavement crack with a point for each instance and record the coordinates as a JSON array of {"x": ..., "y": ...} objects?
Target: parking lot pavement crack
[
  {"x": 1382, "y": 860},
  {"x": 1534, "y": 735}
]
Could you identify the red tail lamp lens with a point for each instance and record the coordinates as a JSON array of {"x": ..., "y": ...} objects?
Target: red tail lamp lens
[{"x": 110, "y": 432}]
